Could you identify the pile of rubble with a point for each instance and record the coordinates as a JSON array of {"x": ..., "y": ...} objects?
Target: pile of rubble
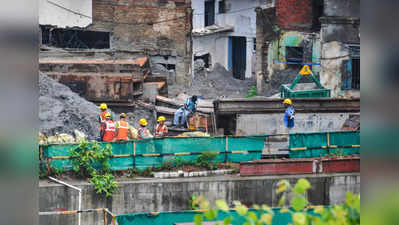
[
  {"x": 217, "y": 83},
  {"x": 62, "y": 111}
]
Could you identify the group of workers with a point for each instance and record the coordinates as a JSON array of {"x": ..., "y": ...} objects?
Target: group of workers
[{"x": 121, "y": 130}]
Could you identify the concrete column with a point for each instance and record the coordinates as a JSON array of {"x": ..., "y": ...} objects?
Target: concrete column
[
  {"x": 260, "y": 83},
  {"x": 250, "y": 47}
]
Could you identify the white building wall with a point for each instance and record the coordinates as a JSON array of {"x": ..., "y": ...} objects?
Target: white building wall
[
  {"x": 50, "y": 14},
  {"x": 241, "y": 15}
]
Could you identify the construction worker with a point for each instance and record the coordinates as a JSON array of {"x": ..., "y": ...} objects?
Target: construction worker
[
  {"x": 189, "y": 107},
  {"x": 101, "y": 117},
  {"x": 142, "y": 131},
  {"x": 108, "y": 130},
  {"x": 122, "y": 128},
  {"x": 161, "y": 129},
  {"x": 289, "y": 115}
]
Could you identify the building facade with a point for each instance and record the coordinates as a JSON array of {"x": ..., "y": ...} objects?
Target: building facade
[
  {"x": 224, "y": 32},
  {"x": 322, "y": 34}
]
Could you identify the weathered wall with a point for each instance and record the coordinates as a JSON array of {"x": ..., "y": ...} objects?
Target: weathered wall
[
  {"x": 272, "y": 123},
  {"x": 294, "y": 14},
  {"x": 340, "y": 28},
  {"x": 150, "y": 26},
  {"x": 333, "y": 68},
  {"x": 50, "y": 14},
  {"x": 174, "y": 194},
  {"x": 244, "y": 22}
]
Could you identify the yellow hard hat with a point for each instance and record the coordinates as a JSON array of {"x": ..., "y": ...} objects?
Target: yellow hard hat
[
  {"x": 161, "y": 118},
  {"x": 103, "y": 106},
  {"x": 287, "y": 101},
  {"x": 143, "y": 122},
  {"x": 107, "y": 114}
]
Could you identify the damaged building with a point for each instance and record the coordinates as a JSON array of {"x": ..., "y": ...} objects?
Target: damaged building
[
  {"x": 224, "y": 32},
  {"x": 113, "y": 45},
  {"x": 323, "y": 34}
]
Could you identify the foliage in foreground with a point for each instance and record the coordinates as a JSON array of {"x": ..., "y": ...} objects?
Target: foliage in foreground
[
  {"x": 89, "y": 159},
  {"x": 302, "y": 213}
]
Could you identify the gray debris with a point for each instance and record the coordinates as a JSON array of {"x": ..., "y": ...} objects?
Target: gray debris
[{"x": 63, "y": 111}]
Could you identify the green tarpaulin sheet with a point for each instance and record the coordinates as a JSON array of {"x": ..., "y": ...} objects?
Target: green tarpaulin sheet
[
  {"x": 319, "y": 139},
  {"x": 171, "y": 218}
]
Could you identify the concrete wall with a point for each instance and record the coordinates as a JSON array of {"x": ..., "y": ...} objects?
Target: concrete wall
[
  {"x": 272, "y": 123},
  {"x": 174, "y": 194},
  {"x": 50, "y": 14},
  {"x": 151, "y": 26},
  {"x": 244, "y": 22}
]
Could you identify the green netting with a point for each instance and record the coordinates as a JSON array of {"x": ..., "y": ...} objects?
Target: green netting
[
  {"x": 168, "y": 146},
  {"x": 318, "y": 139},
  {"x": 171, "y": 218}
]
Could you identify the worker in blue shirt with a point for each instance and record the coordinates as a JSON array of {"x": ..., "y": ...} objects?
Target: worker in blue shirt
[
  {"x": 289, "y": 115},
  {"x": 189, "y": 107}
]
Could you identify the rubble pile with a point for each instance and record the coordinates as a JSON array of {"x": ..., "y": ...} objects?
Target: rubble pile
[
  {"x": 63, "y": 111},
  {"x": 217, "y": 83}
]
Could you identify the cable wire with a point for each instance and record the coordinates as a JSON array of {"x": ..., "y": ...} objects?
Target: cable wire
[{"x": 113, "y": 22}]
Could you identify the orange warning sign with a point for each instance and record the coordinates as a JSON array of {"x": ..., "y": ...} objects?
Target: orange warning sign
[{"x": 305, "y": 70}]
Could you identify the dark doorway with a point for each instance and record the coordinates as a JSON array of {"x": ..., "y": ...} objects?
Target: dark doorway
[
  {"x": 209, "y": 13},
  {"x": 239, "y": 57},
  {"x": 356, "y": 74},
  {"x": 294, "y": 56}
]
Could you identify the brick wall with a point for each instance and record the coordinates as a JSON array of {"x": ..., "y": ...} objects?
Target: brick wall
[
  {"x": 294, "y": 14},
  {"x": 136, "y": 25}
]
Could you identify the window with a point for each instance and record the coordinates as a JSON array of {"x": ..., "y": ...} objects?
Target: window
[
  {"x": 222, "y": 6},
  {"x": 209, "y": 13},
  {"x": 294, "y": 56},
  {"x": 75, "y": 38},
  {"x": 351, "y": 70}
]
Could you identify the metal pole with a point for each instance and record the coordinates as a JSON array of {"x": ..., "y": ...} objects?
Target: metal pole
[{"x": 75, "y": 188}]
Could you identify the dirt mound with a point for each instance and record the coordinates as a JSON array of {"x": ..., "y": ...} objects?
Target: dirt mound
[
  {"x": 215, "y": 84},
  {"x": 63, "y": 111}
]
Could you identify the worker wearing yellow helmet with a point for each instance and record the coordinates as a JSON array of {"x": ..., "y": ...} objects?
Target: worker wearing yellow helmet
[
  {"x": 161, "y": 129},
  {"x": 108, "y": 128},
  {"x": 289, "y": 115},
  {"x": 101, "y": 118},
  {"x": 142, "y": 131}
]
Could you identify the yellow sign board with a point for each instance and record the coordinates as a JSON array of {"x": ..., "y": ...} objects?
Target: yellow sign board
[{"x": 305, "y": 70}]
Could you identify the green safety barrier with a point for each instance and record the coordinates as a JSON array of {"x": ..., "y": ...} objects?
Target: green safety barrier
[
  {"x": 318, "y": 144},
  {"x": 171, "y": 218},
  {"x": 147, "y": 153}
]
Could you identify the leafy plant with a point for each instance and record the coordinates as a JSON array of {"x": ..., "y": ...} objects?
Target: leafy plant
[
  {"x": 90, "y": 159},
  {"x": 302, "y": 213},
  {"x": 251, "y": 92},
  {"x": 103, "y": 183},
  {"x": 207, "y": 160}
]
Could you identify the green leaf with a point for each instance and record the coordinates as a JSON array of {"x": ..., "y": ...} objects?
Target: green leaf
[
  {"x": 253, "y": 216},
  {"x": 266, "y": 218},
  {"x": 241, "y": 209},
  {"x": 301, "y": 186},
  {"x": 282, "y": 201},
  {"x": 211, "y": 214},
  {"x": 198, "y": 220},
  {"x": 228, "y": 220},
  {"x": 299, "y": 218},
  {"x": 298, "y": 203},
  {"x": 222, "y": 205}
]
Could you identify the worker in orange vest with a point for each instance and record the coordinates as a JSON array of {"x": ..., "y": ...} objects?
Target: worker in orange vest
[
  {"x": 161, "y": 129},
  {"x": 101, "y": 117},
  {"x": 122, "y": 128},
  {"x": 143, "y": 131},
  {"x": 108, "y": 130}
]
